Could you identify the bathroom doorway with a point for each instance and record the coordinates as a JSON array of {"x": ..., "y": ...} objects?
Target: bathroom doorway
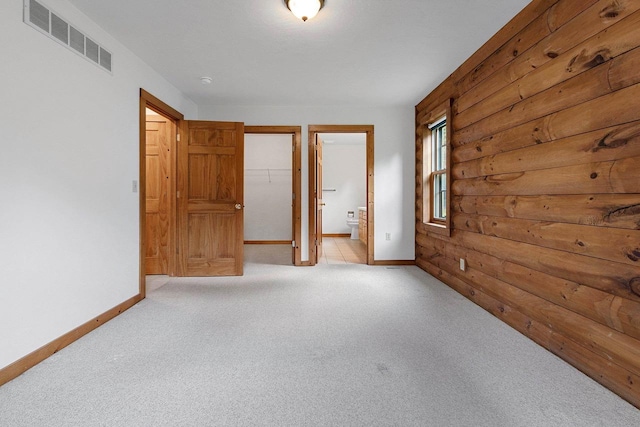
[
  {"x": 341, "y": 189},
  {"x": 344, "y": 198}
]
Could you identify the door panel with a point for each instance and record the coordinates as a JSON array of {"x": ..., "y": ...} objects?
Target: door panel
[
  {"x": 210, "y": 183},
  {"x": 158, "y": 173}
]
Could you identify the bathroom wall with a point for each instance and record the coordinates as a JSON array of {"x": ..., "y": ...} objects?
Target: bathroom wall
[
  {"x": 345, "y": 170},
  {"x": 267, "y": 187}
]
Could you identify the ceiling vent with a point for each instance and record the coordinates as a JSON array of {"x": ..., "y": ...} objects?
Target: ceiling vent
[{"x": 46, "y": 21}]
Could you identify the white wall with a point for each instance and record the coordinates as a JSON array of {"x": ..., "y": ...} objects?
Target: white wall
[
  {"x": 344, "y": 170},
  {"x": 69, "y": 240},
  {"x": 393, "y": 169},
  {"x": 267, "y": 187}
]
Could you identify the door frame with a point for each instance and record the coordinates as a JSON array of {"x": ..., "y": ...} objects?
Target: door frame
[
  {"x": 369, "y": 131},
  {"x": 150, "y": 101},
  {"x": 296, "y": 135}
]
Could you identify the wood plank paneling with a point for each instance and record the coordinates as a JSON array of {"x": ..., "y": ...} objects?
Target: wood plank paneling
[
  {"x": 546, "y": 183},
  {"x": 600, "y": 210},
  {"x": 590, "y": 33}
]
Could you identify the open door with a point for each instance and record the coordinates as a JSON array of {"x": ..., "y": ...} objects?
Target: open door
[
  {"x": 318, "y": 197},
  {"x": 160, "y": 137},
  {"x": 210, "y": 199}
]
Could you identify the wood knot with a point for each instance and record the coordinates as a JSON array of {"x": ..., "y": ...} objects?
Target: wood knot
[
  {"x": 611, "y": 11},
  {"x": 634, "y": 255},
  {"x": 552, "y": 55},
  {"x": 515, "y": 52},
  {"x": 634, "y": 285},
  {"x": 617, "y": 139},
  {"x": 597, "y": 60},
  {"x": 594, "y": 175}
]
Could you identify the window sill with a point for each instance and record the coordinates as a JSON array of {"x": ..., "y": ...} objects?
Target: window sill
[{"x": 432, "y": 227}]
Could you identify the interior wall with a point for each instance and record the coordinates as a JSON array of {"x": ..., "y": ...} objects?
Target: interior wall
[
  {"x": 393, "y": 168},
  {"x": 69, "y": 217},
  {"x": 345, "y": 171},
  {"x": 546, "y": 184},
  {"x": 268, "y": 187}
]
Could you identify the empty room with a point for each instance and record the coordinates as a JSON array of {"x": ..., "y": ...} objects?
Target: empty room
[{"x": 320, "y": 213}]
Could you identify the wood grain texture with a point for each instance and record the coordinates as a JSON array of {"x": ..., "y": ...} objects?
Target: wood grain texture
[
  {"x": 546, "y": 184},
  {"x": 599, "y": 210},
  {"x": 210, "y": 183},
  {"x": 160, "y": 141},
  {"x": 609, "y": 144},
  {"x": 602, "y": 41}
]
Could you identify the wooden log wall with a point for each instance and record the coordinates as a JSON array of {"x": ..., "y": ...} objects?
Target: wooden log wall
[{"x": 546, "y": 183}]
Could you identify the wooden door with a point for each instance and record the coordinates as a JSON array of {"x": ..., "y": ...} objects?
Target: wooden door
[
  {"x": 160, "y": 132},
  {"x": 319, "y": 201},
  {"x": 210, "y": 199}
]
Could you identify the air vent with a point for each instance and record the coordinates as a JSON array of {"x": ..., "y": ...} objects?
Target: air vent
[{"x": 43, "y": 19}]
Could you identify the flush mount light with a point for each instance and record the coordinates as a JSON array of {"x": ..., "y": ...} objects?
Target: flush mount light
[{"x": 304, "y": 9}]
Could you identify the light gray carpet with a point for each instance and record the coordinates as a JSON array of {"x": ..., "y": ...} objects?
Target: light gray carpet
[{"x": 323, "y": 346}]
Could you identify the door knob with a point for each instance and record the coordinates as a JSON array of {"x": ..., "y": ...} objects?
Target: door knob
[{"x": 238, "y": 206}]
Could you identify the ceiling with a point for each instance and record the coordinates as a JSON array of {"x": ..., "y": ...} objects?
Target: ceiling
[{"x": 354, "y": 52}]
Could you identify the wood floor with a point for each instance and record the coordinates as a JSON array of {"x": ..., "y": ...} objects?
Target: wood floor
[{"x": 343, "y": 250}]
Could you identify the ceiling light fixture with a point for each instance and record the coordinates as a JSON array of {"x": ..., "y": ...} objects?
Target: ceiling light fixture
[
  {"x": 304, "y": 9},
  {"x": 206, "y": 80}
]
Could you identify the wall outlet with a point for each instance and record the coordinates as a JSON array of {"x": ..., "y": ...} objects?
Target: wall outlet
[
  {"x": 387, "y": 236},
  {"x": 463, "y": 264}
]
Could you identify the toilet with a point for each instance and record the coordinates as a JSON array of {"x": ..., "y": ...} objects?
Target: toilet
[{"x": 352, "y": 221}]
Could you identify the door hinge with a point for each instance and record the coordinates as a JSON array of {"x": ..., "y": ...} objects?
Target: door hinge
[
  {"x": 293, "y": 243},
  {"x": 293, "y": 148},
  {"x": 177, "y": 194},
  {"x": 293, "y": 196},
  {"x": 316, "y": 242},
  {"x": 178, "y": 137}
]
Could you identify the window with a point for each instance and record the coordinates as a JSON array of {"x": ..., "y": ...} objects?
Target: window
[
  {"x": 439, "y": 170},
  {"x": 435, "y": 168}
]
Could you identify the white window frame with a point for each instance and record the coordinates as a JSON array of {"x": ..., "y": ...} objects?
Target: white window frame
[{"x": 436, "y": 217}]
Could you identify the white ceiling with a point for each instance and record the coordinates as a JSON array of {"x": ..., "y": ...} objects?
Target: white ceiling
[{"x": 355, "y": 52}]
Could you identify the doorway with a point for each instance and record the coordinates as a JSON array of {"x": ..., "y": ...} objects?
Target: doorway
[
  {"x": 159, "y": 124},
  {"x": 344, "y": 198},
  {"x": 317, "y": 200},
  {"x": 294, "y": 171}
]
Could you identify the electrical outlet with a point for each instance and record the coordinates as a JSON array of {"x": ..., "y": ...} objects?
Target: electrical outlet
[
  {"x": 387, "y": 236},
  {"x": 463, "y": 264}
]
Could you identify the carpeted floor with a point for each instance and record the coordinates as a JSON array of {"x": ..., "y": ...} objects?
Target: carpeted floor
[{"x": 332, "y": 345}]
